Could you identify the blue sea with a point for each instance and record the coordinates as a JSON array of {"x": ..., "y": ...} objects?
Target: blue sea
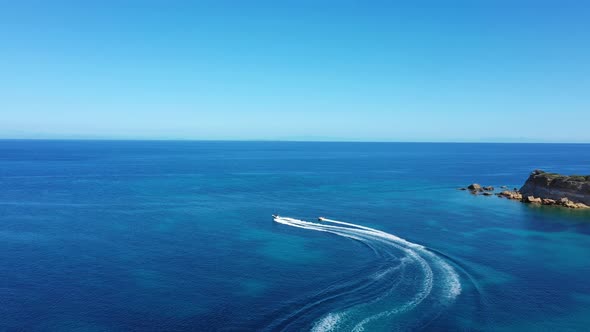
[{"x": 178, "y": 236}]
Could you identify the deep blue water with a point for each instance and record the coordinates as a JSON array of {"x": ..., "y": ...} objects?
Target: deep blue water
[{"x": 178, "y": 236}]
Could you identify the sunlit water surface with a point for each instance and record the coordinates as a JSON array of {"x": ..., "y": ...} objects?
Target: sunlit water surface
[{"x": 178, "y": 236}]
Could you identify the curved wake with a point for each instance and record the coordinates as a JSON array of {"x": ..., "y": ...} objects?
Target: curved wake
[{"x": 408, "y": 291}]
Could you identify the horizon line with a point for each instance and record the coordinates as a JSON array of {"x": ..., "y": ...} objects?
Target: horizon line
[{"x": 276, "y": 140}]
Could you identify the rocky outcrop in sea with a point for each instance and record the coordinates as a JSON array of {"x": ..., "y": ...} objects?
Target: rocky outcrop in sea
[
  {"x": 576, "y": 188},
  {"x": 545, "y": 189}
]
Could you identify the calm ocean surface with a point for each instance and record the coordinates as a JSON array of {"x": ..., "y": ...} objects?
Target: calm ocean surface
[{"x": 178, "y": 236}]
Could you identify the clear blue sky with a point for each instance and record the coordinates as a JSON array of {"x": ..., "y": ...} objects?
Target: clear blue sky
[{"x": 304, "y": 70}]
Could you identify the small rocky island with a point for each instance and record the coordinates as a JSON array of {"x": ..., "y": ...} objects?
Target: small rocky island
[{"x": 546, "y": 189}]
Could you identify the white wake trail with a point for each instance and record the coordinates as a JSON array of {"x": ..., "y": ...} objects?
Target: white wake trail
[{"x": 379, "y": 311}]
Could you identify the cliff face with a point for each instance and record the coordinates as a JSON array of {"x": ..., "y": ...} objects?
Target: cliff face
[{"x": 555, "y": 186}]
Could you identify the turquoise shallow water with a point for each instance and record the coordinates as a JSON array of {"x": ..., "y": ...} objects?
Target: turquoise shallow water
[{"x": 177, "y": 236}]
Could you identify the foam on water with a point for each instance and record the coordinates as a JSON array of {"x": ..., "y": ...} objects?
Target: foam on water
[
  {"x": 380, "y": 274},
  {"x": 327, "y": 323},
  {"x": 434, "y": 286}
]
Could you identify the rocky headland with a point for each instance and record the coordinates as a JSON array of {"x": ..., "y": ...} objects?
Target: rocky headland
[{"x": 545, "y": 189}]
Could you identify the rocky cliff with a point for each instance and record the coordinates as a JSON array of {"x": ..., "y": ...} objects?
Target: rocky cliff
[
  {"x": 545, "y": 188},
  {"x": 554, "y": 186}
]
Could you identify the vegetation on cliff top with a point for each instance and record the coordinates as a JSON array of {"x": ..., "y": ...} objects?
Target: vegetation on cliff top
[{"x": 555, "y": 176}]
